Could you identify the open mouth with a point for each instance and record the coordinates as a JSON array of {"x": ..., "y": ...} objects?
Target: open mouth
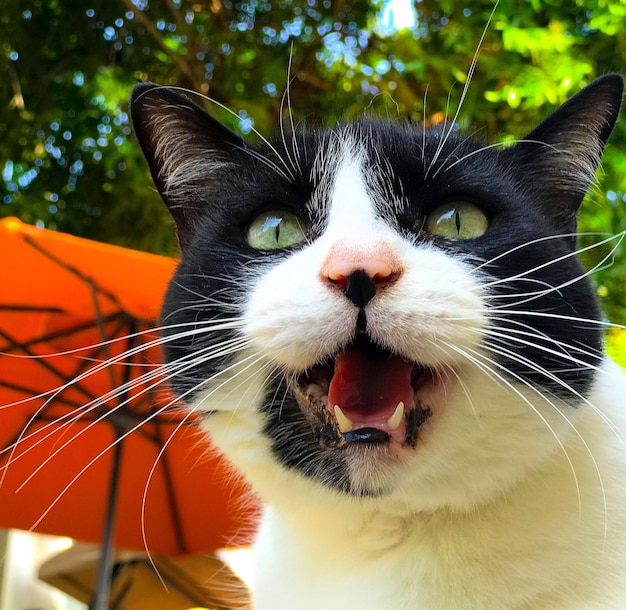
[{"x": 367, "y": 394}]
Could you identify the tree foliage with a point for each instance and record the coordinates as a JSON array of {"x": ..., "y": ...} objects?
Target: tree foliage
[{"x": 68, "y": 159}]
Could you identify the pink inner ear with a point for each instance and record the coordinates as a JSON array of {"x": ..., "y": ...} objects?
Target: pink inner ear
[{"x": 369, "y": 387}]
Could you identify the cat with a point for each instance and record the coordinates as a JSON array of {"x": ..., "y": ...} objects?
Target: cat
[{"x": 387, "y": 330}]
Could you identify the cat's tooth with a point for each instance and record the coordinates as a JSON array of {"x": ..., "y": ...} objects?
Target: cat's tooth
[
  {"x": 345, "y": 425},
  {"x": 396, "y": 419},
  {"x": 314, "y": 390}
]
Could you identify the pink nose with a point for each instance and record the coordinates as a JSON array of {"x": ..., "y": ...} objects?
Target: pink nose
[
  {"x": 361, "y": 273},
  {"x": 378, "y": 270}
]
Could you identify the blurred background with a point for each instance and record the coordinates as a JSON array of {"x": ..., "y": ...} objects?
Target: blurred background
[{"x": 69, "y": 161}]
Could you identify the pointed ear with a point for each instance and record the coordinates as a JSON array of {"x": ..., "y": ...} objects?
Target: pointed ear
[
  {"x": 560, "y": 157},
  {"x": 184, "y": 147}
]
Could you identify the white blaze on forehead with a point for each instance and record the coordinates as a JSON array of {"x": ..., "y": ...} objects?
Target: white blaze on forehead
[
  {"x": 350, "y": 202},
  {"x": 355, "y": 237}
]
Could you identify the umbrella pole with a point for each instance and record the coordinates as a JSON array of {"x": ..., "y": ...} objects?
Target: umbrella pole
[{"x": 105, "y": 567}]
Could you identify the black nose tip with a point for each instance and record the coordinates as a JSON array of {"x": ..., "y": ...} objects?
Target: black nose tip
[{"x": 360, "y": 288}]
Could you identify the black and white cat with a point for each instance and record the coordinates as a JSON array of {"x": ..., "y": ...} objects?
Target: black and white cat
[{"x": 387, "y": 330}]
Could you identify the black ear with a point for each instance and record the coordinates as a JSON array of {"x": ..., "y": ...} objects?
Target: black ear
[
  {"x": 184, "y": 146},
  {"x": 560, "y": 157}
]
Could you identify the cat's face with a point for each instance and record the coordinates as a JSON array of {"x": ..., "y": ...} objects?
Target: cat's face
[{"x": 378, "y": 310}]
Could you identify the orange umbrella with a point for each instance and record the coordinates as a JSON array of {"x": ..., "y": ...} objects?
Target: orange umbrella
[{"x": 87, "y": 429}]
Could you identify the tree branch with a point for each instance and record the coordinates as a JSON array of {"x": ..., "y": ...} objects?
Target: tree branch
[{"x": 183, "y": 66}]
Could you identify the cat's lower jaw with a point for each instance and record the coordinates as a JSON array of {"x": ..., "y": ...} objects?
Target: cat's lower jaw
[{"x": 553, "y": 539}]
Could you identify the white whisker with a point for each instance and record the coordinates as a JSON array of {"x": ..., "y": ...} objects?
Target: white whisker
[
  {"x": 235, "y": 115},
  {"x": 559, "y": 259},
  {"x": 445, "y": 168},
  {"x": 477, "y": 359},
  {"x": 121, "y": 390},
  {"x": 468, "y": 80},
  {"x": 131, "y": 430}
]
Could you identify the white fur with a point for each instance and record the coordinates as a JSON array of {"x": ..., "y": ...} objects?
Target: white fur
[
  {"x": 511, "y": 499},
  {"x": 529, "y": 547}
]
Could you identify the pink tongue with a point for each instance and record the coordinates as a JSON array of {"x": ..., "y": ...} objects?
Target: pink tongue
[{"x": 368, "y": 386}]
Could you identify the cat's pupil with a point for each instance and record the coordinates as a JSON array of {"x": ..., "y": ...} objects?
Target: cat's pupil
[
  {"x": 462, "y": 220},
  {"x": 274, "y": 230}
]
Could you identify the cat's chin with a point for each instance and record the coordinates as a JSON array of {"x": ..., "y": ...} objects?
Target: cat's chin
[{"x": 366, "y": 399}]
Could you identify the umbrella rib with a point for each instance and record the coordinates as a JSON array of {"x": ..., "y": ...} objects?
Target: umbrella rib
[
  {"x": 101, "y": 413},
  {"x": 31, "y": 309},
  {"x": 49, "y": 367},
  {"x": 98, "y": 410},
  {"x": 70, "y": 268},
  {"x": 33, "y": 393},
  {"x": 103, "y": 335},
  {"x": 123, "y": 319},
  {"x": 83, "y": 366},
  {"x": 60, "y": 334},
  {"x": 173, "y": 504},
  {"x": 129, "y": 414}
]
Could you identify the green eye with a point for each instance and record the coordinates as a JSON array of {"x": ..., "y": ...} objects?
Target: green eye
[
  {"x": 457, "y": 221},
  {"x": 274, "y": 230}
]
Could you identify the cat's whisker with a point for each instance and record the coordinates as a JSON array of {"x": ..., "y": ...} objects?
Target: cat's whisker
[
  {"x": 234, "y": 114},
  {"x": 51, "y": 395},
  {"x": 165, "y": 444},
  {"x": 261, "y": 373},
  {"x": 154, "y": 379},
  {"x": 128, "y": 432},
  {"x": 266, "y": 161},
  {"x": 468, "y": 395},
  {"x": 197, "y": 329},
  {"x": 517, "y": 294},
  {"x": 603, "y": 324},
  {"x": 206, "y": 304},
  {"x": 287, "y": 95},
  {"x": 212, "y": 299},
  {"x": 443, "y": 168},
  {"x": 118, "y": 360},
  {"x": 470, "y": 73},
  {"x": 484, "y": 363},
  {"x": 452, "y": 154},
  {"x": 152, "y": 330},
  {"x": 541, "y": 394},
  {"x": 530, "y": 243},
  {"x": 278, "y": 377},
  {"x": 443, "y": 135},
  {"x": 508, "y": 355},
  {"x": 423, "y": 151},
  {"x": 205, "y": 277},
  {"x": 547, "y": 238},
  {"x": 551, "y": 376},
  {"x": 555, "y": 261},
  {"x": 564, "y": 349},
  {"x": 92, "y": 461},
  {"x": 144, "y": 498},
  {"x": 283, "y": 136},
  {"x": 161, "y": 374}
]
